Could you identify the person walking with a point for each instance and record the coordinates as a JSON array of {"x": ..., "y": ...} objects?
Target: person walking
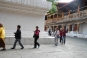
[
  {"x": 64, "y": 35},
  {"x": 18, "y": 37},
  {"x": 49, "y": 32},
  {"x": 2, "y": 37},
  {"x": 61, "y": 33},
  {"x": 36, "y": 36},
  {"x": 56, "y": 34}
]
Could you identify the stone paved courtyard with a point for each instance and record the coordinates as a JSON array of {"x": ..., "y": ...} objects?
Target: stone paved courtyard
[{"x": 74, "y": 48}]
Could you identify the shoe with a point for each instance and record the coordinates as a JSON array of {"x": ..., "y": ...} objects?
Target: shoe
[
  {"x": 55, "y": 44},
  {"x": 12, "y": 48},
  {"x": 34, "y": 47},
  {"x": 22, "y": 48},
  {"x": 64, "y": 43},
  {"x": 3, "y": 49},
  {"x": 38, "y": 46}
]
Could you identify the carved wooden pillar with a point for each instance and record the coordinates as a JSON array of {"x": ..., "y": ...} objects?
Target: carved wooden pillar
[
  {"x": 47, "y": 17},
  {"x": 57, "y": 26},
  {"x": 78, "y": 27},
  {"x": 46, "y": 20},
  {"x": 62, "y": 25},
  {"x": 48, "y": 27},
  {"x": 78, "y": 11},
  {"x": 53, "y": 28},
  {"x": 57, "y": 15},
  {"x": 86, "y": 12},
  {"x": 53, "y": 16},
  {"x": 69, "y": 13},
  {"x": 45, "y": 28},
  {"x": 62, "y": 15},
  {"x": 68, "y": 28},
  {"x": 72, "y": 27}
]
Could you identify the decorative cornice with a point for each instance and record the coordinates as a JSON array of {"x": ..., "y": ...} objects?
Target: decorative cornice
[{"x": 22, "y": 7}]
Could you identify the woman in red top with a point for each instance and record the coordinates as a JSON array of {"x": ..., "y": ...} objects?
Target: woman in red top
[{"x": 36, "y": 36}]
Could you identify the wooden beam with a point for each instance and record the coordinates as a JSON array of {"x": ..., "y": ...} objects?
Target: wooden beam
[{"x": 62, "y": 14}]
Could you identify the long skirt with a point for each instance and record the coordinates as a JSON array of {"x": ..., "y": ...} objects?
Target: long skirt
[{"x": 2, "y": 43}]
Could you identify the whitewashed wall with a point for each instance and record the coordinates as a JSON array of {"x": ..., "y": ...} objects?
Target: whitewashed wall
[
  {"x": 83, "y": 28},
  {"x": 10, "y": 19},
  {"x": 27, "y": 13}
]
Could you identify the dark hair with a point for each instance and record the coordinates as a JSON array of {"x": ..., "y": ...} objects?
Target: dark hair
[
  {"x": 19, "y": 26},
  {"x": 1, "y": 25},
  {"x": 37, "y": 27}
]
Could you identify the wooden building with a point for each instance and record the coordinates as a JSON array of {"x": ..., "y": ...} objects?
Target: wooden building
[{"x": 72, "y": 16}]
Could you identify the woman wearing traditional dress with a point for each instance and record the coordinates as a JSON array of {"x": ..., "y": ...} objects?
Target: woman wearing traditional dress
[{"x": 2, "y": 37}]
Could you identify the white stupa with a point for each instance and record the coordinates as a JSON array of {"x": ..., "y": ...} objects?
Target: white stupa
[{"x": 27, "y": 13}]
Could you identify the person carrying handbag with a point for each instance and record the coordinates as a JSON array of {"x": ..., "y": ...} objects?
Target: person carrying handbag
[{"x": 36, "y": 37}]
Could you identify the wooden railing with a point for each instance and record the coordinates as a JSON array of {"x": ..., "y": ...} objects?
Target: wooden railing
[
  {"x": 48, "y": 21},
  {"x": 76, "y": 15}
]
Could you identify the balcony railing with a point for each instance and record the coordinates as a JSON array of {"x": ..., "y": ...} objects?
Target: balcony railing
[
  {"x": 74, "y": 16},
  {"x": 49, "y": 21},
  {"x": 36, "y": 3}
]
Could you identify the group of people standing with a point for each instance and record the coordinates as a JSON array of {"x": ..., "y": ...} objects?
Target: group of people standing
[
  {"x": 60, "y": 34},
  {"x": 17, "y": 37}
]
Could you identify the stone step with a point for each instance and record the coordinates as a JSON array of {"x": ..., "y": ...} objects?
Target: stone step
[{"x": 27, "y": 40}]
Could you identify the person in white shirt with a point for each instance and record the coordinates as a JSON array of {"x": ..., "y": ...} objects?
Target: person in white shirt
[{"x": 56, "y": 34}]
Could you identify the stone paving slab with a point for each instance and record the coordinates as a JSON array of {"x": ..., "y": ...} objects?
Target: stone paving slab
[{"x": 74, "y": 48}]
